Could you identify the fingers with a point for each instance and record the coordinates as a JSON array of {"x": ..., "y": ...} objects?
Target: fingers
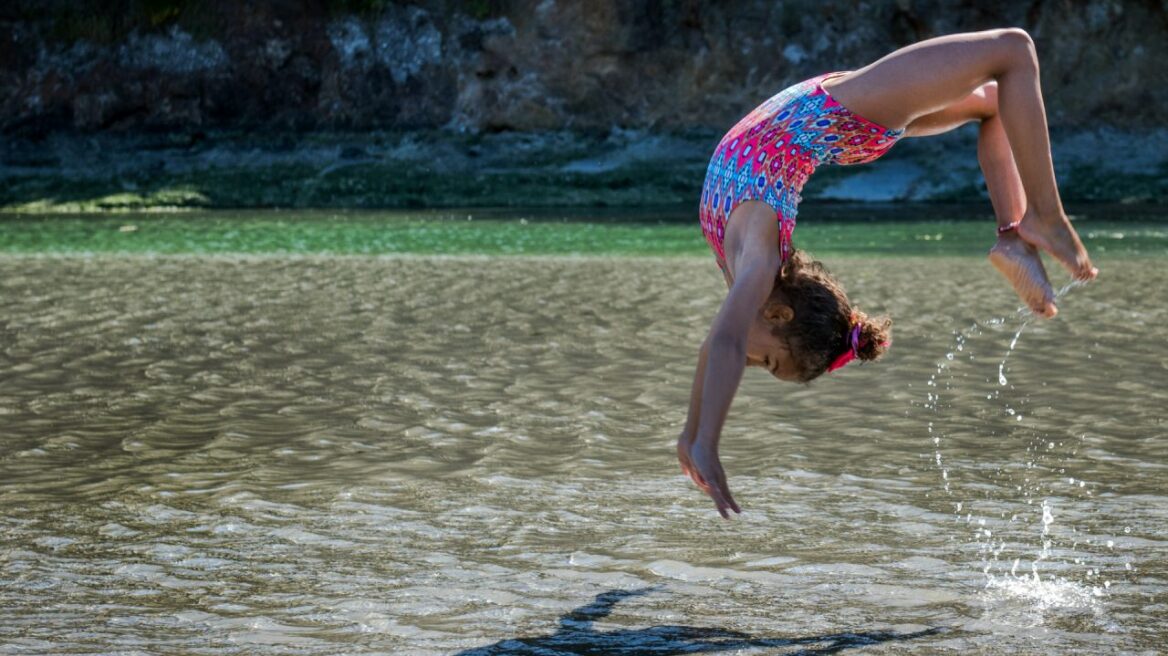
[
  {"x": 720, "y": 495},
  {"x": 723, "y": 500},
  {"x": 723, "y": 503},
  {"x": 719, "y": 491},
  {"x": 711, "y": 479},
  {"x": 733, "y": 505}
]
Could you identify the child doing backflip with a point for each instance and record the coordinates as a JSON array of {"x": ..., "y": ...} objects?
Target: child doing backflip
[{"x": 783, "y": 311}]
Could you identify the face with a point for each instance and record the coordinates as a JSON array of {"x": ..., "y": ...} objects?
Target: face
[{"x": 765, "y": 350}]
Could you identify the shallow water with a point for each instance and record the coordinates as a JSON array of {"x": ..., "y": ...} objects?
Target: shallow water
[
  {"x": 321, "y": 455},
  {"x": 894, "y": 229}
]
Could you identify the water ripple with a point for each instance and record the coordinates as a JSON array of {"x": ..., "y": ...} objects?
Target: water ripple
[{"x": 317, "y": 455}]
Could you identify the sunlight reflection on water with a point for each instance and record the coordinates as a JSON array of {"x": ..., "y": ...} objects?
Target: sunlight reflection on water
[{"x": 425, "y": 455}]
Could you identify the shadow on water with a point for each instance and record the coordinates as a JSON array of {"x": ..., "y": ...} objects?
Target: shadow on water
[{"x": 576, "y": 636}]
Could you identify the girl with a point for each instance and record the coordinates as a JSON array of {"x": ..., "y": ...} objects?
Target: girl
[{"x": 785, "y": 312}]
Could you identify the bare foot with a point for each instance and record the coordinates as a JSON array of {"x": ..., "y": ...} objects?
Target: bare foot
[
  {"x": 1019, "y": 262},
  {"x": 1057, "y": 237}
]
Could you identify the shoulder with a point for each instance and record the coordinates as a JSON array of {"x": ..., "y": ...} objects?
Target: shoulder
[{"x": 752, "y": 239}]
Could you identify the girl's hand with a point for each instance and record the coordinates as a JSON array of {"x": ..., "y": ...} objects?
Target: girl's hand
[{"x": 702, "y": 465}]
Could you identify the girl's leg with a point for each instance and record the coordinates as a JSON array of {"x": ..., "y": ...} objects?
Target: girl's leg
[
  {"x": 1012, "y": 256},
  {"x": 929, "y": 76},
  {"x": 1017, "y": 260}
]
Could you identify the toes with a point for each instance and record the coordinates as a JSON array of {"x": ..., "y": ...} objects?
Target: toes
[{"x": 1064, "y": 246}]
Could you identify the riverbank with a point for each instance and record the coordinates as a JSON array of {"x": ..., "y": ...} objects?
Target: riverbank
[{"x": 79, "y": 173}]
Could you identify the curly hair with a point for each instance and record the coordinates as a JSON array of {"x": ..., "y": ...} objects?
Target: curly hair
[{"x": 823, "y": 317}]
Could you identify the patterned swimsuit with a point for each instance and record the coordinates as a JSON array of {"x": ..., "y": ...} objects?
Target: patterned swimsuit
[{"x": 770, "y": 153}]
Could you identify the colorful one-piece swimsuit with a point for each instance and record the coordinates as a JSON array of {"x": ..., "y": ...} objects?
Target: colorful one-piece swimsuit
[{"x": 770, "y": 153}]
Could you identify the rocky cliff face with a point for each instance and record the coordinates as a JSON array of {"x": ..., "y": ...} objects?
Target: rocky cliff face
[{"x": 525, "y": 65}]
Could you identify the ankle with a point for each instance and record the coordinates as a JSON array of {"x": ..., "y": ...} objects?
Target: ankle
[
  {"x": 1055, "y": 216},
  {"x": 1008, "y": 229}
]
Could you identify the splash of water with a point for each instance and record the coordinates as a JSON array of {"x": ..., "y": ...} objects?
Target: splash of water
[
  {"x": 933, "y": 398},
  {"x": 1013, "y": 342},
  {"x": 1027, "y": 317},
  {"x": 1039, "y": 589},
  {"x": 1056, "y": 592},
  {"x": 1045, "y": 593},
  {"x": 1053, "y": 591},
  {"x": 1047, "y": 520}
]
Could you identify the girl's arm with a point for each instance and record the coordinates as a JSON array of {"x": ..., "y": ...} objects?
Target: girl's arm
[
  {"x": 689, "y": 433},
  {"x": 725, "y": 361}
]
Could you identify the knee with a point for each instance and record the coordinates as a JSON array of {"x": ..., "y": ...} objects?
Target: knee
[
  {"x": 1016, "y": 44},
  {"x": 1014, "y": 37}
]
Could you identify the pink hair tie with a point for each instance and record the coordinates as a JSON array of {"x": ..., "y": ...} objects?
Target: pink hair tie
[{"x": 850, "y": 354}]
